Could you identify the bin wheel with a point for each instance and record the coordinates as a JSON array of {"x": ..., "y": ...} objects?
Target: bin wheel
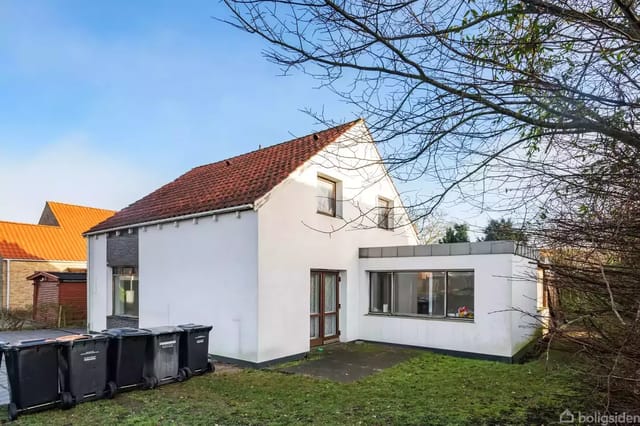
[
  {"x": 182, "y": 375},
  {"x": 67, "y": 400},
  {"x": 188, "y": 372},
  {"x": 146, "y": 383},
  {"x": 12, "y": 411},
  {"x": 211, "y": 367},
  {"x": 111, "y": 390}
]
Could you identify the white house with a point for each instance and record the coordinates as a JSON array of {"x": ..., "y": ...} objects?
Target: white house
[{"x": 269, "y": 247}]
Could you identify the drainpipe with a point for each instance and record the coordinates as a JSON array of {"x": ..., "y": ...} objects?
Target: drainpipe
[
  {"x": 8, "y": 282},
  {"x": 89, "y": 288},
  {"x": 1, "y": 279}
]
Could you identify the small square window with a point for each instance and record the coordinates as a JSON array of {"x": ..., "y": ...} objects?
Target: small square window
[
  {"x": 326, "y": 194},
  {"x": 384, "y": 213}
]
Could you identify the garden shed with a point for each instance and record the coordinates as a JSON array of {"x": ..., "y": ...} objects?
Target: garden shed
[{"x": 59, "y": 297}]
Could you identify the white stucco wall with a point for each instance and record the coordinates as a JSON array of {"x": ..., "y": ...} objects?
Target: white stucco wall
[
  {"x": 524, "y": 299},
  {"x": 491, "y": 330},
  {"x": 294, "y": 239},
  {"x": 99, "y": 283},
  {"x": 206, "y": 273}
]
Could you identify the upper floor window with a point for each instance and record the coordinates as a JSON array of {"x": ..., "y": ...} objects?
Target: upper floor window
[
  {"x": 326, "y": 194},
  {"x": 384, "y": 213}
]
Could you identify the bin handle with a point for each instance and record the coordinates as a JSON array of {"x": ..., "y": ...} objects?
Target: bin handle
[{"x": 34, "y": 341}]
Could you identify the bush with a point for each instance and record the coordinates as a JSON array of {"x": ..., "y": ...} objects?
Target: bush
[{"x": 14, "y": 319}]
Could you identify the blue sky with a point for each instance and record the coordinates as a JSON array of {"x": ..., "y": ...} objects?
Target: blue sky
[
  {"x": 102, "y": 102},
  {"x": 133, "y": 94}
]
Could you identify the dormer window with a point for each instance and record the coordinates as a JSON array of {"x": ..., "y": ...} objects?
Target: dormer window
[
  {"x": 326, "y": 194},
  {"x": 384, "y": 213}
]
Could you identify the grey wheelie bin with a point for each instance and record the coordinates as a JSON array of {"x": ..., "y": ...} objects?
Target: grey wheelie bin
[
  {"x": 194, "y": 349},
  {"x": 163, "y": 356},
  {"x": 32, "y": 370},
  {"x": 126, "y": 357},
  {"x": 82, "y": 366}
]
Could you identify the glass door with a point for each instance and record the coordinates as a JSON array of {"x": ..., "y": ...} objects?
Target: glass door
[
  {"x": 324, "y": 323},
  {"x": 315, "y": 336}
]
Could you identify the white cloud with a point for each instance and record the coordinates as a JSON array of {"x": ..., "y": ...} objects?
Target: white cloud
[{"x": 69, "y": 170}]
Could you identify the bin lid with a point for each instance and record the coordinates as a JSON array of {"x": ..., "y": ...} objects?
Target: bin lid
[
  {"x": 195, "y": 327},
  {"x": 125, "y": 331},
  {"x": 30, "y": 343},
  {"x": 70, "y": 338},
  {"x": 165, "y": 329}
]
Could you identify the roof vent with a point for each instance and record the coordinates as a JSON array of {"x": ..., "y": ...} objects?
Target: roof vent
[
  {"x": 315, "y": 137},
  {"x": 227, "y": 162}
]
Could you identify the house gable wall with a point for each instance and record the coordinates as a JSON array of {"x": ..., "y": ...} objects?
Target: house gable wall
[{"x": 294, "y": 238}]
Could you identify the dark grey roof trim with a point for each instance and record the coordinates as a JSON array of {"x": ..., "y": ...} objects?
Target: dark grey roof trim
[{"x": 452, "y": 249}]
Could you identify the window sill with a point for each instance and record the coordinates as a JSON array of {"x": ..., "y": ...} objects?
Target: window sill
[
  {"x": 124, "y": 316},
  {"x": 421, "y": 317},
  {"x": 329, "y": 214}
]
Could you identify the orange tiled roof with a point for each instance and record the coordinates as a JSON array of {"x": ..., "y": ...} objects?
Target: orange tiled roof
[
  {"x": 227, "y": 183},
  {"x": 61, "y": 241}
]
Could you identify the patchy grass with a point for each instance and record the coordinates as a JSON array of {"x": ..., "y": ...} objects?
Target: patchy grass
[{"x": 428, "y": 389}]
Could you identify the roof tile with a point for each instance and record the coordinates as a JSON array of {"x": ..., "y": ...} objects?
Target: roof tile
[
  {"x": 44, "y": 242},
  {"x": 228, "y": 183}
]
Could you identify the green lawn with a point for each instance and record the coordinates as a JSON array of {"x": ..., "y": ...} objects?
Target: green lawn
[{"x": 429, "y": 389}]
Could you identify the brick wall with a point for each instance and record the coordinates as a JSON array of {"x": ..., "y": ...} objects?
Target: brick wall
[{"x": 21, "y": 296}]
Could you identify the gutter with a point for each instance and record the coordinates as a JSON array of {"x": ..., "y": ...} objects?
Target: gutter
[{"x": 172, "y": 219}]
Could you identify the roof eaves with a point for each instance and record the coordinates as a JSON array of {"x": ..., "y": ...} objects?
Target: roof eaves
[{"x": 241, "y": 207}]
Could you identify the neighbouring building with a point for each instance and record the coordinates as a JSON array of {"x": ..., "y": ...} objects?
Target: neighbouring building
[
  {"x": 300, "y": 244},
  {"x": 55, "y": 244},
  {"x": 59, "y": 298}
]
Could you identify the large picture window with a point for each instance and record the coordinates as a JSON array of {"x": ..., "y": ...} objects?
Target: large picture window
[
  {"x": 125, "y": 291},
  {"x": 425, "y": 293}
]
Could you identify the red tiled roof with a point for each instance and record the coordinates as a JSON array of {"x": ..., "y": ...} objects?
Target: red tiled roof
[
  {"x": 228, "y": 183},
  {"x": 46, "y": 242}
]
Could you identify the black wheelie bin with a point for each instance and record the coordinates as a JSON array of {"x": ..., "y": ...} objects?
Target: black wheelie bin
[
  {"x": 127, "y": 355},
  {"x": 194, "y": 349},
  {"x": 32, "y": 370},
  {"x": 82, "y": 365},
  {"x": 163, "y": 356}
]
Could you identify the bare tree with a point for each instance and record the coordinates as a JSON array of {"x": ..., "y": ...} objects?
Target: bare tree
[{"x": 531, "y": 104}]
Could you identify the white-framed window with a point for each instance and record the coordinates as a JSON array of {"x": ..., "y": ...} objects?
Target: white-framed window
[
  {"x": 125, "y": 291},
  {"x": 440, "y": 294},
  {"x": 326, "y": 196},
  {"x": 385, "y": 218}
]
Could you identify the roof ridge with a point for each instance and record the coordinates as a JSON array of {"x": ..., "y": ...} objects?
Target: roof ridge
[
  {"x": 347, "y": 126},
  {"x": 78, "y": 205},
  {"x": 11, "y": 222}
]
